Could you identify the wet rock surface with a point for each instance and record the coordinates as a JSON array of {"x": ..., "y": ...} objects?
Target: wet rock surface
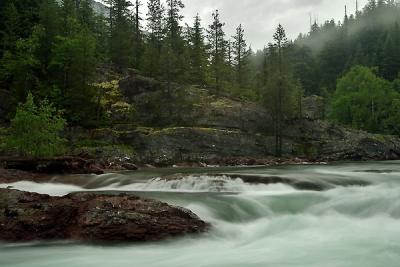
[
  {"x": 91, "y": 217},
  {"x": 308, "y": 184},
  {"x": 12, "y": 176},
  {"x": 60, "y": 165},
  {"x": 329, "y": 141}
]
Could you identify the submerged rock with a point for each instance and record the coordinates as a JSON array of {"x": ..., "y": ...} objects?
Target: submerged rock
[
  {"x": 220, "y": 179},
  {"x": 91, "y": 217}
]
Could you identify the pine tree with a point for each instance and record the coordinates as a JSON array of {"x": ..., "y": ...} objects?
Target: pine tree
[
  {"x": 198, "y": 53},
  {"x": 69, "y": 17},
  {"x": 241, "y": 54},
  {"x": 173, "y": 19},
  {"x": 18, "y": 18},
  {"x": 155, "y": 29},
  {"x": 390, "y": 59},
  {"x": 282, "y": 91},
  {"x": 9, "y": 32},
  {"x": 51, "y": 24},
  {"x": 280, "y": 42},
  {"x": 174, "y": 61},
  {"x": 370, "y": 6},
  {"x": 138, "y": 35},
  {"x": 21, "y": 66},
  {"x": 217, "y": 48},
  {"x": 121, "y": 34},
  {"x": 73, "y": 64}
]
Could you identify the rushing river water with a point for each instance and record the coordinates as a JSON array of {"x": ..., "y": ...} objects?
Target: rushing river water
[{"x": 253, "y": 225}]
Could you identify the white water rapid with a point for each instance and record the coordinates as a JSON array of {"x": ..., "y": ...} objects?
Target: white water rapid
[{"x": 254, "y": 225}]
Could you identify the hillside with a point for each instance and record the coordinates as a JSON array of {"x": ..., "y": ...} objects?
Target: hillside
[
  {"x": 148, "y": 88},
  {"x": 199, "y": 126}
]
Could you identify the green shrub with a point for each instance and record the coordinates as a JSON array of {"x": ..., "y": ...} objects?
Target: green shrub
[{"x": 35, "y": 130}]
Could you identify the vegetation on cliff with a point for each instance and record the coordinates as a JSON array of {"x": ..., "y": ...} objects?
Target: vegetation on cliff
[{"x": 58, "y": 50}]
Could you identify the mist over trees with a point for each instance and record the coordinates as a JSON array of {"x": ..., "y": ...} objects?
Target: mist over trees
[{"x": 53, "y": 49}]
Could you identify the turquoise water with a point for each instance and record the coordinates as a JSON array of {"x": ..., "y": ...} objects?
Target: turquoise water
[{"x": 253, "y": 225}]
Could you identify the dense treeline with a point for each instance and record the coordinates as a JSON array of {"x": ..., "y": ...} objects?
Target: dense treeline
[
  {"x": 369, "y": 38},
  {"x": 357, "y": 63},
  {"x": 52, "y": 49}
]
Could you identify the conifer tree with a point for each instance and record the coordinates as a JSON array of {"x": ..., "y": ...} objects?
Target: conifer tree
[
  {"x": 155, "y": 29},
  {"x": 174, "y": 63},
  {"x": 138, "y": 35},
  {"x": 241, "y": 54},
  {"x": 282, "y": 93},
  {"x": 198, "y": 53},
  {"x": 217, "y": 48},
  {"x": 9, "y": 30},
  {"x": 121, "y": 33},
  {"x": 390, "y": 59}
]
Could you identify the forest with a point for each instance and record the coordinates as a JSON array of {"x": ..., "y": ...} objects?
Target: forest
[
  {"x": 53, "y": 50},
  {"x": 131, "y": 135}
]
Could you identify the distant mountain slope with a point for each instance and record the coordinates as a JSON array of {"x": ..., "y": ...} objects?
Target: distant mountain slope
[{"x": 100, "y": 8}]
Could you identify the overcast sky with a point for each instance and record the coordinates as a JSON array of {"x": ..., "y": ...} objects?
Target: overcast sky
[{"x": 260, "y": 17}]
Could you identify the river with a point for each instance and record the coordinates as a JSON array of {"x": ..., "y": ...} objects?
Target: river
[{"x": 254, "y": 225}]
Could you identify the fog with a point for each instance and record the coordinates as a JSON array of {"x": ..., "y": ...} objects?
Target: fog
[{"x": 260, "y": 17}]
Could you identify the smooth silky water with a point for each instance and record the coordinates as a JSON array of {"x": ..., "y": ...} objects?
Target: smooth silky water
[{"x": 253, "y": 225}]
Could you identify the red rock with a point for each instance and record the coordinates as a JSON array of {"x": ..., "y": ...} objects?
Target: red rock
[{"x": 91, "y": 217}]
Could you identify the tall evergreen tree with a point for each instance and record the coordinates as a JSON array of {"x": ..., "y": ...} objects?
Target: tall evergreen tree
[
  {"x": 282, "y": 92},
  {"x": 121, "y": 33},
  {"x": 155, "y": 29},
  {"x": 390, "y": 57},
  {"x": 241, "y": 54},
  {"x": 10, "y": 29},
  {"x": 198, "y": 53},
  {"x": 173, "y": 56},
  {"x": 217, "y": 48},
  {"x": 138, "y": 35}
]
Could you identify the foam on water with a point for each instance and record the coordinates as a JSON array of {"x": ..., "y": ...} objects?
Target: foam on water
[
  {"x": 257, "y": 226},
  {"x": 203, "y": 183}
]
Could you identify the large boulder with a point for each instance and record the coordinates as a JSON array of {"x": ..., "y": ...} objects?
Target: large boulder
[{"x": 90, "y": 217}]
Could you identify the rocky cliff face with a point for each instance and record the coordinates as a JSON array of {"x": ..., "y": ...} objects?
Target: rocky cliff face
[
  {"x": 212, "y": 127},
  {"x": 191, "y": 106},
  {"x": 209, "y": 145},
  {"x": 216, "y": 126},
  {"x": 330, "y": 141}
]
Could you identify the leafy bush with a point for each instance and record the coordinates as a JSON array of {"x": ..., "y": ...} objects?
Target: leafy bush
[
  {"x": 365, "y": 101},
  {"x": 35, "y": 130}
]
